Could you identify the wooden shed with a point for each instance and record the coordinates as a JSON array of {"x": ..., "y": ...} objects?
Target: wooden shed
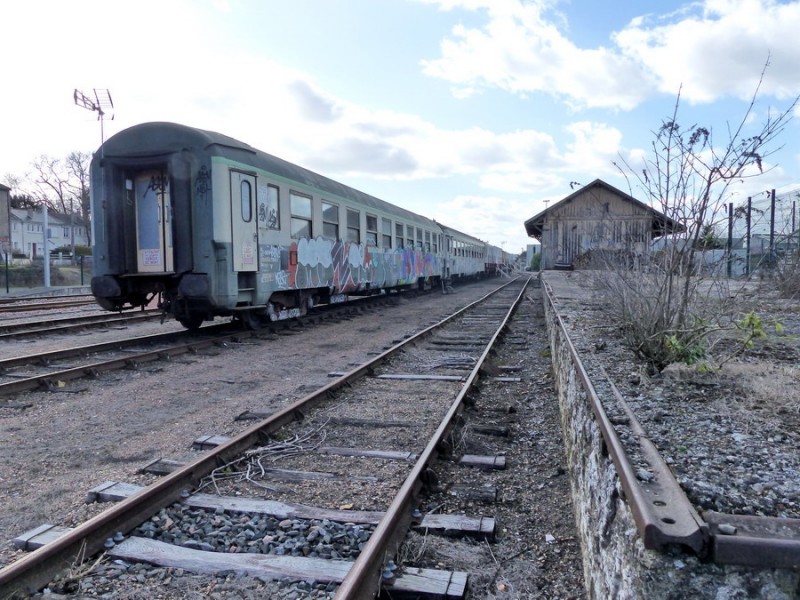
[{"x": 596, "y": 216}]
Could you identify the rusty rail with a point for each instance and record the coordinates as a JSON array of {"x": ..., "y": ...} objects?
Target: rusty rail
[{"x": 662, "y": 512}]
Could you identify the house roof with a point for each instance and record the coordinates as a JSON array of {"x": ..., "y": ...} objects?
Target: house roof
[
  {"x": 54, "y": 218},
  {"x": 662, "y": 224},
  {"x": 4, "y": 188}
]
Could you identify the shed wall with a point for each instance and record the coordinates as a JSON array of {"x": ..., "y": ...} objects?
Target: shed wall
[{"x": 597, "y": 219}]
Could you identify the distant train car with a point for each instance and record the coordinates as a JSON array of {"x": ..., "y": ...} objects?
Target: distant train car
[
  {"x": 211, "y": 226},
  {"x": 465, "y": 254},
  {"x": 497, "y": 260}
]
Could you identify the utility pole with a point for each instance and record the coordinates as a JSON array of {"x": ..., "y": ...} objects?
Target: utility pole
[
  {"x": 730, "y": 239},
  {"x": 772, "y": 230},
  {"x": 46, "y": 248},
  {"x": 747, "y": 235}
]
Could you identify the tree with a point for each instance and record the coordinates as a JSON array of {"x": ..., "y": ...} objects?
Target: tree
[
  {"x": 664, "y": 305},
  {"x": 708, "y": 239},
  {"x": 23, "y": 201},
  {"x": 60, "y": 184},
  {"x": 77, "y": 164}
]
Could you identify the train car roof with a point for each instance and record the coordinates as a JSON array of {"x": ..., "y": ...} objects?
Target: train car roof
[
  {"x": 161, "y": 138},
  {"x": 460, "y": 234}
]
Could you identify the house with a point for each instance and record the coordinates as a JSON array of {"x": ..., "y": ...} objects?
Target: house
[
  {"x": 596, "y": 216},
  {"x": 27, "y": 231}
]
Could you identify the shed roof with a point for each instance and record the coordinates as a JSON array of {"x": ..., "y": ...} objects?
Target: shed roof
[{"x": 662, "y": 224}]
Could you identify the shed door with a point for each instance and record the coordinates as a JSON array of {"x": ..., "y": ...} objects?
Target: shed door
[
  {"x": 153, "y": 221},
  {"x": 244, "y": 224}
]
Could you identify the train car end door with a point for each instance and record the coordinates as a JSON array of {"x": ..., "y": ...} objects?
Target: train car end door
[
  {"x": 150, "y": 190},
  {"x": 244, "y": 224}
]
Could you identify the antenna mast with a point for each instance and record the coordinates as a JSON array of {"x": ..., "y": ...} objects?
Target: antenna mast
[{"x": 102, "y": 104}]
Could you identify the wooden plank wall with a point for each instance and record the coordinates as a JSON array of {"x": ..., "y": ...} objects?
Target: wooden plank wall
[{"x": 597, "y": 218}]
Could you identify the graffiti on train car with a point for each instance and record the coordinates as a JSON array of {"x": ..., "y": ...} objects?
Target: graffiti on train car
[{"x": 345, "y": 266}]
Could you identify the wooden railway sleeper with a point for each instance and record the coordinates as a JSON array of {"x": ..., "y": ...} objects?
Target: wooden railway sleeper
[{"x": 47, "y": 383}]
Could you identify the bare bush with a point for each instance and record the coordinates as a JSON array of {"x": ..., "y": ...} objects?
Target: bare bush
[{"x": 674, "y": 306}]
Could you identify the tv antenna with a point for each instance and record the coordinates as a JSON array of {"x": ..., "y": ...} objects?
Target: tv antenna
[{"x": 102, "y": 104}]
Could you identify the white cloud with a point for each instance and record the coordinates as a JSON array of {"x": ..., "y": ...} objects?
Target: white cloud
[
  {"x": 490, "y": 218},
  {"x": 712, "y": 48},
  {"x": 521, "y": 51},
  {"x": 721, "y": 50}
]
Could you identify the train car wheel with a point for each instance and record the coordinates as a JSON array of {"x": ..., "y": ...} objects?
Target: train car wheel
[
  {"x": 251, "y": 320},
  {"x": 191, "y": 322}
]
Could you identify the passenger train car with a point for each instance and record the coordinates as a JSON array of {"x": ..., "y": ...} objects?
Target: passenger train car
[{"x": 212, "y": 226}]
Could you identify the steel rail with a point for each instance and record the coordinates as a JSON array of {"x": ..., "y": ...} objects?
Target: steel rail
[
  {"x": 363, "y": 578},
  {"x": 14, "y": 299},
  {"x": 754, "y": 541},
  {"x": 38, "y": 568},
  {"x": 44, "y": 306},
  {"x": 662, "y": 513},
  {"x": 670, "y": 505},
  {"x": 156, "y": 338},
  {"x": 60, "y": 325}
]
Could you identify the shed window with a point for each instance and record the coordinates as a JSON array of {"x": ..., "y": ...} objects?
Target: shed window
[
  {"x": 353, "y": 226},
  {"x": 301, "y": 215},
  {"x": 330, "y": 220}
]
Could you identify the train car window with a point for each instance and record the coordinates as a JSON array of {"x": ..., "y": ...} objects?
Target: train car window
[
  {"x": 399, "y": 229},
  {"x": 246, "y": 197},
  {"x": 419, "y": 238},
  {"x": 269, "y": 207},
  {"x": 301, "y": 215},
  {"x": 330, "y": 220},
  {"x": 427, "y": 241},
  {"x": 410, "y": 230},
  {"x": 372, "y": 230},
  {"x": 386, "y": 230},
  {"x": 435, "y": 243},
  {"x": 353, "y": 226}
]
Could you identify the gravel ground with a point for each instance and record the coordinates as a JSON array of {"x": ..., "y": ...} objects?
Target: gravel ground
[{"x": 67, "y": 443}]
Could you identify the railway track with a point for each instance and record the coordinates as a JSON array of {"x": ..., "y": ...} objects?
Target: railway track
[
  {"x": 303, "y": 449},
  {"x": 50, "y": 370},
  {"x": 459, "y": 346},
  {"x": 64, "y": 325},
  {"x": 15, "y": 305}
]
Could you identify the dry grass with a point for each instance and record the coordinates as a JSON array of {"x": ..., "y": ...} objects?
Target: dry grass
[{"x": 766, "y": 391}]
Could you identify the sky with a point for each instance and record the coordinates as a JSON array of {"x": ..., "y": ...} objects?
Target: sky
[{"x": 476, "y": 113}]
